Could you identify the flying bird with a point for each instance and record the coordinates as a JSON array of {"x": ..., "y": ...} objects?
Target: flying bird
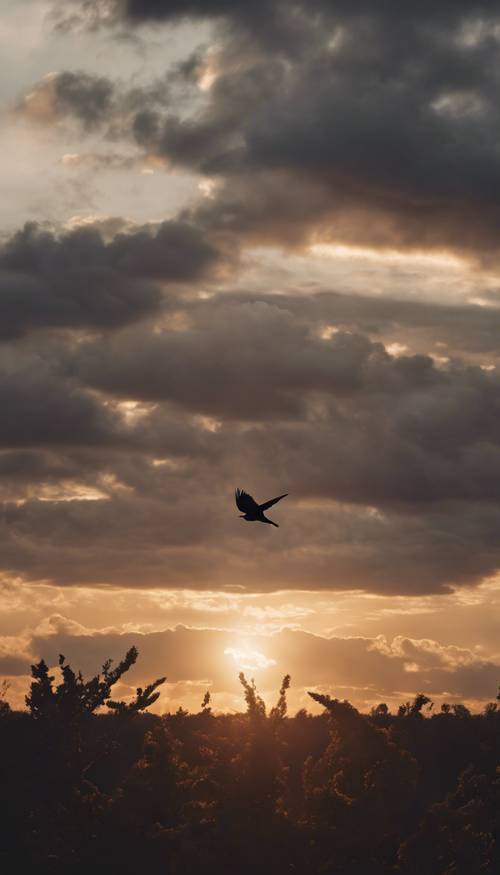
[{"x": 253, "y": 512}]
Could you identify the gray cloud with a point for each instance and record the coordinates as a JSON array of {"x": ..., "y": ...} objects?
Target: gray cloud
[
  {"x": 465, "y": 330},
  {"x": 43, "y": 408},
  {"x": 349, "y": 122},
  {"x": 87, "y": 97},
  {"x": 182, "y": 530},
  {"x": 77, "y": 279},
  {"x": 116, "y": 109},
  {"x": 392, "y": 462},
  {"x": 371, "y": 427},
  {"x": 321, "y": 122},
  {"x": 403, "y": 110}
]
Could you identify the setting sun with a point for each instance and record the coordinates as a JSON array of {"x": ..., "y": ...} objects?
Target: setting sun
[{"x": 248, "y": 659}]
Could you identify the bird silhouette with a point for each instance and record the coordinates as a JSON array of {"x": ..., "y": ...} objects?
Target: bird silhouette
[{"x": 253, "y": 512}]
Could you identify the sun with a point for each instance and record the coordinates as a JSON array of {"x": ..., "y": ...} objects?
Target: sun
[{"x": 248, "y": 658}]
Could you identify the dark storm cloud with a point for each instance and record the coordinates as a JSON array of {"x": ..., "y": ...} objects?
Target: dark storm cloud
[
  {"x": 232, "y": 367},
  {"x": 39, "y": 413},
  {"x": 458, "y": 328},
  {"x": 81, "y": 445},
  {"x": 115, "y": 108},
  {"x": 25, "y": 471},
  {"x": 98, "y": 101},
  {"x": 182, "y": 528},
  {"x": 372, "y": 427},
  {"x": 323, "y": 121},
  {"x": 87, "y": 97},
  {"x": 77, "y": 279},
  {"x": 167, "y": 542},
  {"x": 364, "y": 122},
  {"x": 97, "y": 13},
  {"x": 428, "y": 327},
  {"x": 265, "y": 14},
  {"x": 393, "y": 463},
  {"x": 42, "y": 407},
  {"x": 358, "y": 122}
]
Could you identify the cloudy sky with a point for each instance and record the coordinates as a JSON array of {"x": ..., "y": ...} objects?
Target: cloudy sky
[{"x": 257, "y": 245}]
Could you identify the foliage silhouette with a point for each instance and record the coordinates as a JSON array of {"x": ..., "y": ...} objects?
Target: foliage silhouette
[
  {"x": 96, "y": 784},
  {"x": 4, "y": 705}
]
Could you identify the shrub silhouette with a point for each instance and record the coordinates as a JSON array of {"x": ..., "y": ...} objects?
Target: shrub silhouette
[{"x": 96, "y": 784}]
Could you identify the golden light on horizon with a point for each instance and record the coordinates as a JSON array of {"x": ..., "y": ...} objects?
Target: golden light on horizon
[{"x": 248, "y": 658}]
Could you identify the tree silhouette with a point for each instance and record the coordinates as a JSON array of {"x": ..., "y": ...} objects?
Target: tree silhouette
[
  {"x": 75, "y": 698},
  {"x": 4, "y": 705},
  {"x": 96, "y": 784}
]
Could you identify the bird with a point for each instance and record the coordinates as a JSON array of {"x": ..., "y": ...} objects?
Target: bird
[{"x": 253, "y": 512}]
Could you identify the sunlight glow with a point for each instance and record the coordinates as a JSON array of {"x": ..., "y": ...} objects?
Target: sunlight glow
[
  {"x": 207, "y": 187},
  {"x": 249, "y": 659},
  {"x": 387, "y": 256},
  {"x": 327, "y": 332},
  {"x": 210, "y": 71},
  {"x": 68, "y": 490},
  {"x": 396, "y": 349}
]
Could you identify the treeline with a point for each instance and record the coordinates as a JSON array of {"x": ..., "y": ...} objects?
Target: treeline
[{"x": 93, "y": 785}]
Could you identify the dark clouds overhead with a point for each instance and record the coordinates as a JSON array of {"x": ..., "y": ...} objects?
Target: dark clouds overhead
[
  {"x": 176, "y": 541},
  {"x": 99, "y": 103},
  {"x": 393, "y": 475},
  {"x": 139, "y": 388},
  {"x": 77, "y": 279},
  {"x": 384, "y": 428},
  {"x": 445, "y": 329},
  {"x": 40, "y": 408},
  {"x": 361, "y": 123},
  {"x": 88, "y": 97},
  {"x": 392, "y": 462}
]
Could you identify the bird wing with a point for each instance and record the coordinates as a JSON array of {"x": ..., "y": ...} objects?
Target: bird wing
[
  {"x": 245, "y": 502},
  {"x": 272, "y": 501}
]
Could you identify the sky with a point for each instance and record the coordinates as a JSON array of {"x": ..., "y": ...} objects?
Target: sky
[{"x": 258, "y": 246}]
